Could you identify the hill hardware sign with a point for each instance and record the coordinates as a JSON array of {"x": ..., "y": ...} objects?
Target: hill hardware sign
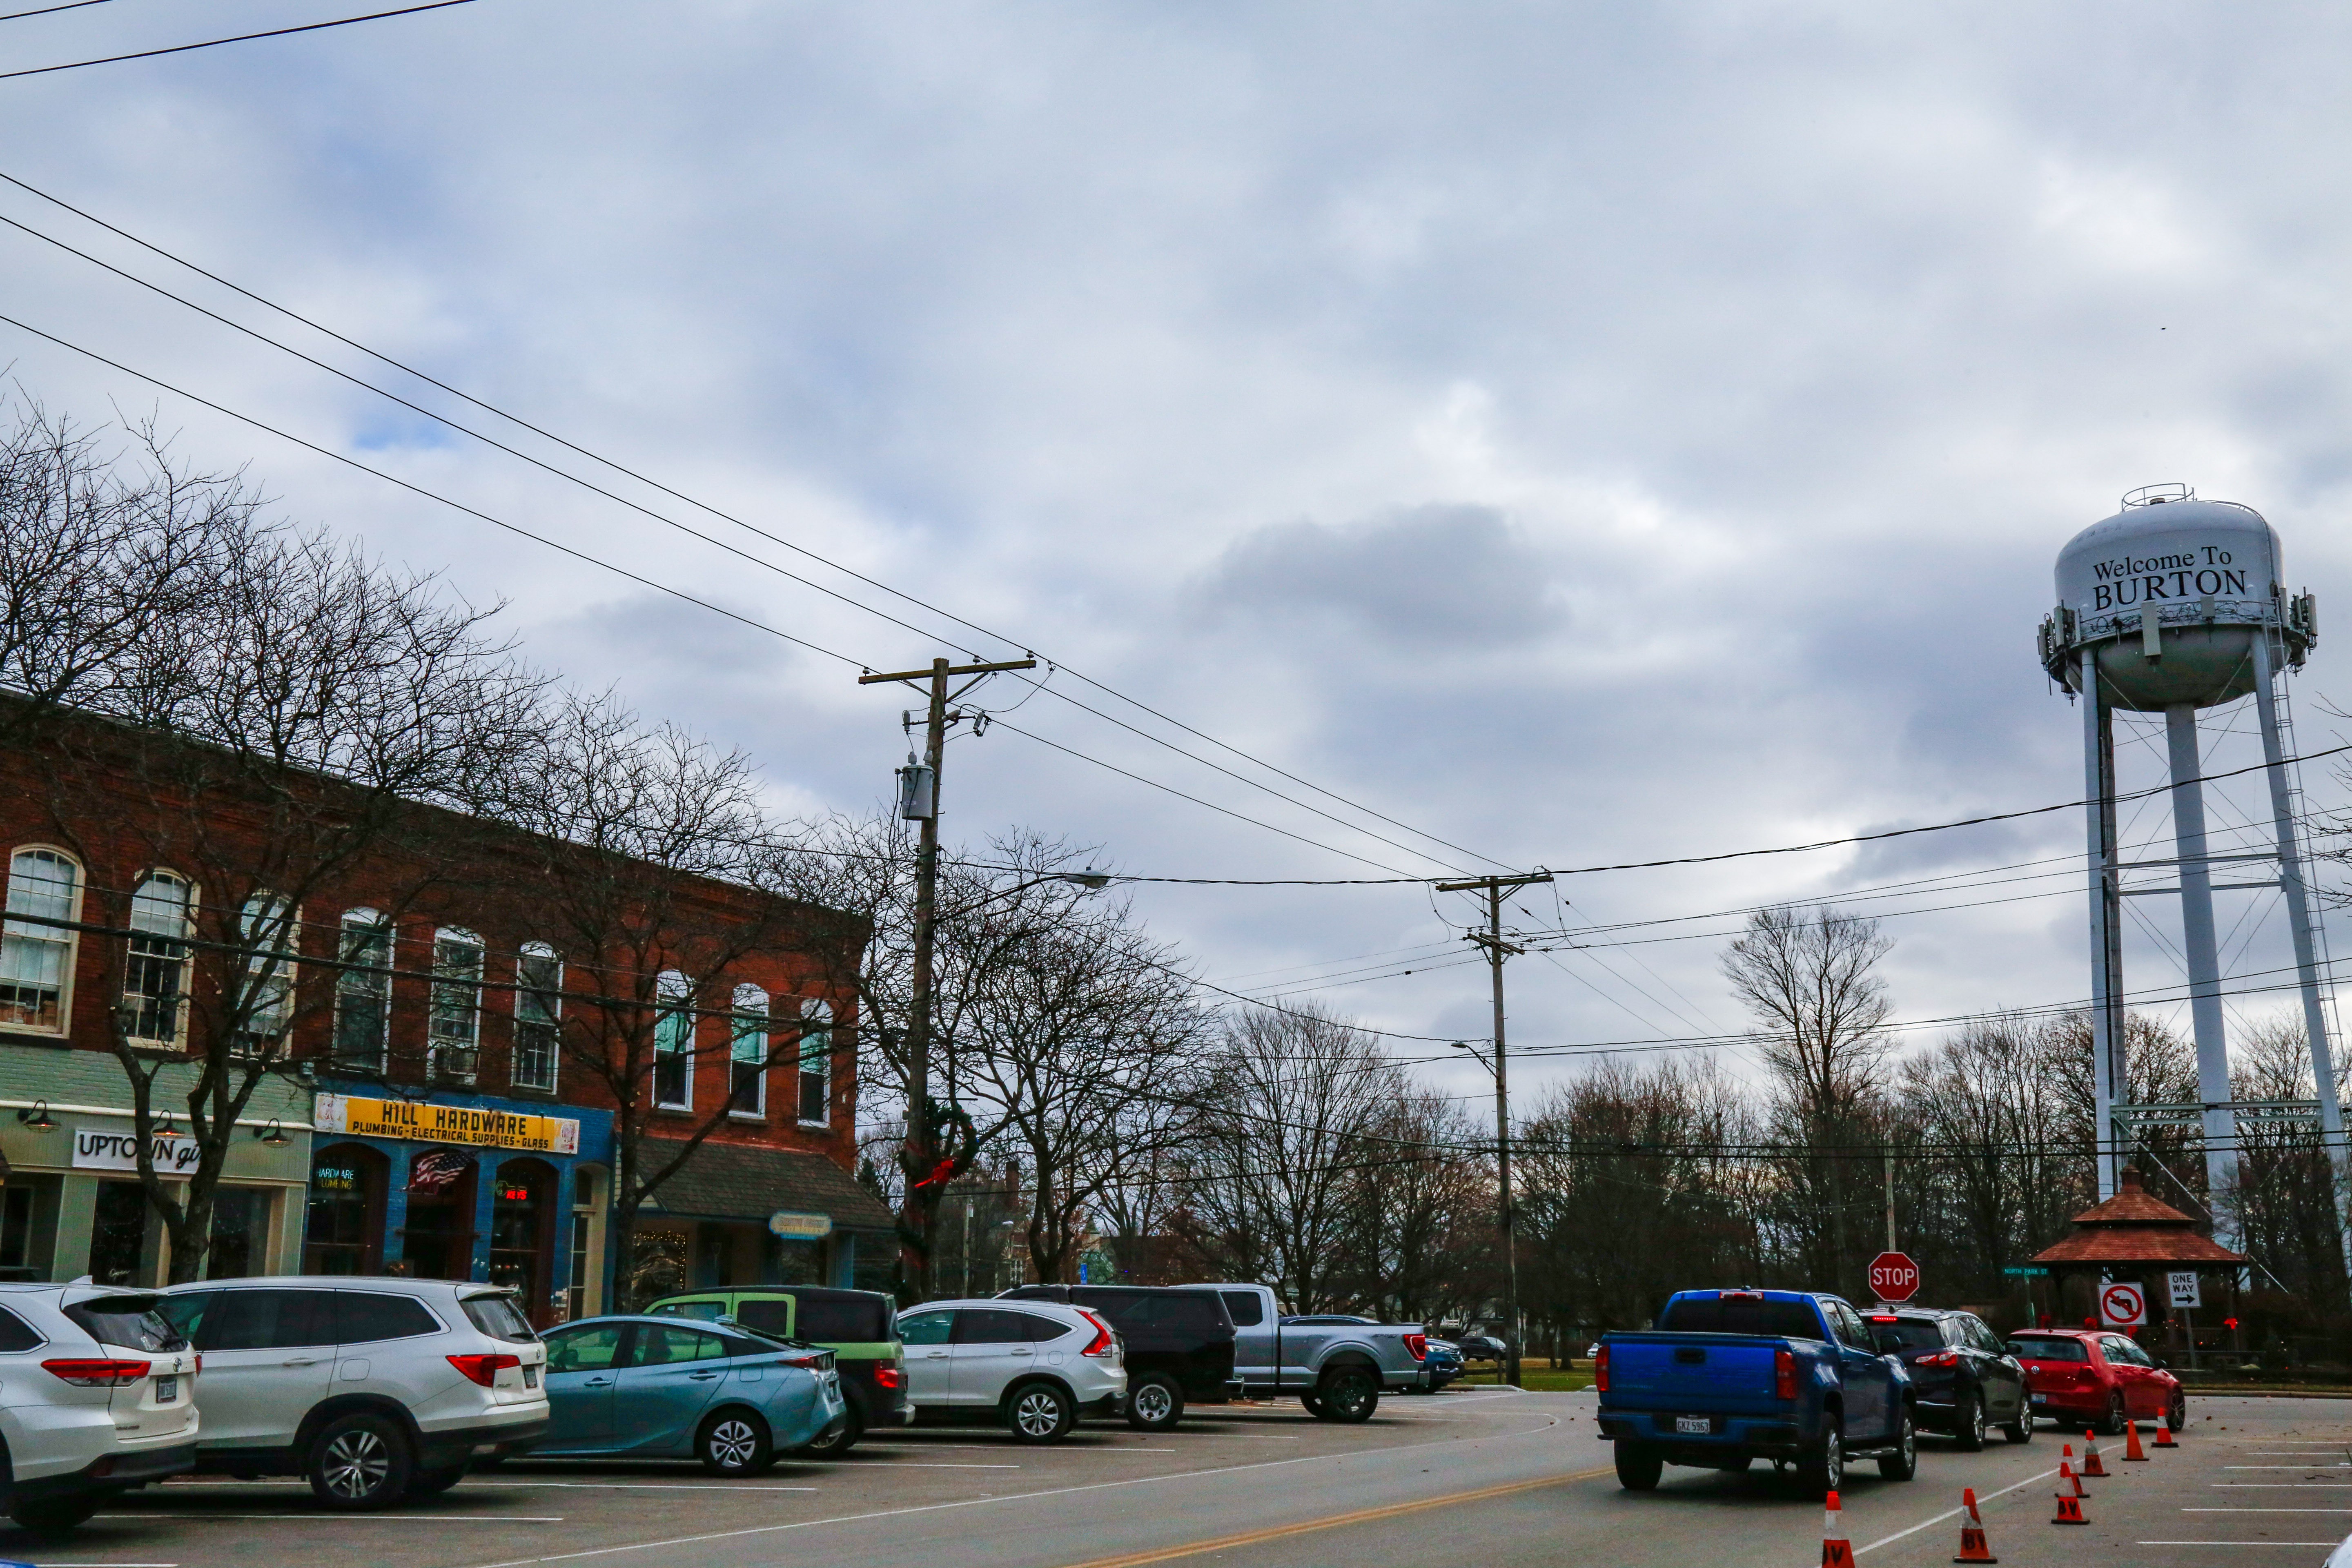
[{"x": 429, "y": 1123}]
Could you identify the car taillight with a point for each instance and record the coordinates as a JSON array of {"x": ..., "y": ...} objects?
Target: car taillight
[
  {"x": 484, "y": 1366},
  {"x": 200, "y": 1360},
  {"x": 889, "y": 1377},
  {"x": 1419, "y": 1345},
  {"x": 1784, "y": 1375},
  {"x": 1941, "y": 1358},
  {"x": 816, "y": 1360},
  {"x": 1102, "y": 1341},
  {"x": 1600, "y": 1371},
  {"x": 97, "y": 1373}
]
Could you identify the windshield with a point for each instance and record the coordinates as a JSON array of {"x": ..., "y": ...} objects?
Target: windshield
[
  {"x": 1741, "y": 1315},
  {"x": 2049, "y": 1350},
  {"x": 1911, "y": 1334},
  {"x": 498, "y": 1317},
  {"x": 130, "y": 1322}
]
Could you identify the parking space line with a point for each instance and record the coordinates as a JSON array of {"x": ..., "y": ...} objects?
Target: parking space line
[
  {"x": 920, "y": 1465},
  {"x": 2338, "y": 1464},
  {"x": 999, "y": 1448},
  {"x": 2266, "y": 1511},
  {"x": 1549, "y": 1424},
  {"x": 1951, "y": 1513},
  {"x": 2240, "y": 1544},
  {"x": 655, "y": 1486},
  {"x": 372, "y": 1517}
]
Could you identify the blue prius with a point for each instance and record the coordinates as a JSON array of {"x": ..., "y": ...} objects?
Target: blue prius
[{"x": 658, "y": 1388}]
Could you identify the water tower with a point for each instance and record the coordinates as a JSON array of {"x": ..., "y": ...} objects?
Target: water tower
[{"x": 2173, "y": 604}]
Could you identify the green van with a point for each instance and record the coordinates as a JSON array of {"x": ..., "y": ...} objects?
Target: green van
[{"x": 859, "y": 1327}]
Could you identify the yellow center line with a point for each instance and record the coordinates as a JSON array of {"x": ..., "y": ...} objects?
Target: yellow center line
[{"x": 1336, "y": 1522}]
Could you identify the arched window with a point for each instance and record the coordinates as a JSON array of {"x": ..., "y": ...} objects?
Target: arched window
[
  {"x": 747, "y": 1049},
  {"x": 155, "y": 972},
  {"x": 36, "y": 960},
  {"x": 816, "y": 1063},
  {"x": 363, "y": 992},
  {"x": 266, "y": 925},
  {"x": 455, "y": 1028},
  {"x": 674, "y": 1044},
  {"x": 538, "y": 1015}
]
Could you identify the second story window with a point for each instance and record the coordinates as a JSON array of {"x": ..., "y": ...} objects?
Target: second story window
[
  {"x": 363, "y": 992},
  {"x": 454, "y": 1027},
  {"x": 266, "y": 925},
  {"x": 156, "y": 969},
  {"x": 538, "y": 1016},
  {"x": 674, "y": 1044},
  {"x": 36, "y": 960},
  {"x": 816, "y": 1063},
  {"x": 747, "y": 1066}
]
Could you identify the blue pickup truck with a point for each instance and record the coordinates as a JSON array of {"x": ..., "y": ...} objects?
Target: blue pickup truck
[{"x": 1732, "y": 1376}]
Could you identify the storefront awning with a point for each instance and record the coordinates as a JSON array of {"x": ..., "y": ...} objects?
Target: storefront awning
[{"x": 736, "y": 1182}]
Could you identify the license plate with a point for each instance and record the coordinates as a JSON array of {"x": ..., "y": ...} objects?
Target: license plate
[
  {"x": 530, "y": 1377},
  {"x": 2041, "y": 1399},
  {"x": 1696, "y": 1425},
  {"x": 167, "y": 1389}
]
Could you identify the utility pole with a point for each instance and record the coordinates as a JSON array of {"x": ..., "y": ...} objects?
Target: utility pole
[
  {"x": 920, "y": 800},
  {"x": 1496, "y": 950}
]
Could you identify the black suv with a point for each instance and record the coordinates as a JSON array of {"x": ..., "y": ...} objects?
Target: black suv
[
  {"x": 1964, "y": 1377},
  {"x": 1179, "y": 1345}
]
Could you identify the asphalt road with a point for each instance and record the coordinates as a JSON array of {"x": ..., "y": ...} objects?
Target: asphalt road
[{"x": 1489, "y": 1479}]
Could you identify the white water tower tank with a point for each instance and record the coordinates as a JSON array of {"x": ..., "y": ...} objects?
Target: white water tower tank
[{"x": 2170, "y": 592}]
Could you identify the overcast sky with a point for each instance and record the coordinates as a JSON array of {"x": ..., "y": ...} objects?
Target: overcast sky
[{"x": 1580, "y": 433}]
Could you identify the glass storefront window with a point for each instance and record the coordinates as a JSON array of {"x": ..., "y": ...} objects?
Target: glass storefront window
[
  {"x": 439, "y": 1239},
  {"x": 341, "y": 1233},
  {"x": 119, "y": 1249},
  {"x": 240, "y": 1239},
  {"x": 521, "y": 1207}
]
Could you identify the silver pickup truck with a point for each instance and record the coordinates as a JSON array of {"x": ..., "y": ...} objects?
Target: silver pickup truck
[{"x": 1337, "y": 1370}]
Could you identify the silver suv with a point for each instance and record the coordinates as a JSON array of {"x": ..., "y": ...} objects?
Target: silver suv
[
  {"x": 97, "y": 1393},
  {"x": 375, "y": 1389}
]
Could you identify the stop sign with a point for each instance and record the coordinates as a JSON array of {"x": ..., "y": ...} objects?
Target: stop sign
[{"x": 1894, "y": 1276}]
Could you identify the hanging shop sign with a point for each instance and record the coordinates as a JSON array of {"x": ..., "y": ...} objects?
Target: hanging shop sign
[
  {"x": 117, "y": 1149},
  {"x": 800, "y": 1226},
  {"x": 429, "y": 1123},
  {"x": 438, "y": 1170}
]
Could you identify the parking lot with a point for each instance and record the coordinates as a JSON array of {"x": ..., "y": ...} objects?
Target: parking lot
[{"x": 1474, "y": 1477}]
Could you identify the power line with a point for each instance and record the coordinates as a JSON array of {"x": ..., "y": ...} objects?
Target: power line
[
  {"x": 727, "y": 516},
  {"x": 240, "y": 38},
  {"x": 46, "y": 10}
]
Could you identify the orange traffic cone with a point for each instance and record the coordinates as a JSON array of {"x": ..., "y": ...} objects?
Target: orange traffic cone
[
  {"x": 1837, "y": 1551},
  {"x": 2067, "y": 1478},
  {"x": 2091, "y": 1465},
  {"x": 2069, "y": 1510},
  {"x": 2164, "y": 1434},
  {"x": 1972, "y": 1536},
  {"x": 2133, "y": 1453}
]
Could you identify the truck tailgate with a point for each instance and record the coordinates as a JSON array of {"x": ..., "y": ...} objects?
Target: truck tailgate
[{"x": 1721, "y": 1373}]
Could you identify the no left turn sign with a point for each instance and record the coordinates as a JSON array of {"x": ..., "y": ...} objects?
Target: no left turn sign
[{"x": 2122, "y": 1306}]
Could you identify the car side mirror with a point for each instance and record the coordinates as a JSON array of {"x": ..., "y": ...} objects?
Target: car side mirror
[
  {"x": 2164, "y": 1366},
  {"x": 1888, "y": 1342}
]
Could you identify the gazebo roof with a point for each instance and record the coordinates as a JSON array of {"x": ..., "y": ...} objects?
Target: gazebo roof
[{"x": 2134, "y": 1228}]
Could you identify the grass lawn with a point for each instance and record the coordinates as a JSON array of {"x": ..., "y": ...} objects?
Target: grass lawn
[{"x": 1536, "y": 1375}]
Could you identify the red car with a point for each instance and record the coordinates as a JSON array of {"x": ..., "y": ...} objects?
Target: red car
[{"x": 2084, "y": 1377}]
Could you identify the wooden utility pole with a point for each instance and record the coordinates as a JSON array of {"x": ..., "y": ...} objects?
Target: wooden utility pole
[
  {"x": 1496, "y": 951},
  {"x": 919, "y": 1160}
]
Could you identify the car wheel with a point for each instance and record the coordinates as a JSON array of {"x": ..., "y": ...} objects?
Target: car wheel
[
  {"x": 2178, "y": 1416},
  {"x": 1348, "y": 1394},
  {"x": 1155, "y": 1404},
  {"x": 1903, "y": 1463},
  {"x": 2112, "y": 1423},
  {"x": 734, "y": 1443},
  {"x": 54, "y": 1515},
  {"x": 1039, "y": 1412},
  {"x": 1969, "y": 1422},
  {"x": 1639, "y": 1467},
  {"x": 1312, "y": 1406},
  {"x": 836, "y": 1441},
  {"x": 2021, "y": 1430},
  {"x": 1824, "y": 1471},
  {"x": 430, "y": 1483},
  {"x": 360, "y": 1462}
]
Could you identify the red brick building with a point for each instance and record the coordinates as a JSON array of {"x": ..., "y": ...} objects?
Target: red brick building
[{"x": 469, "y": 1057}]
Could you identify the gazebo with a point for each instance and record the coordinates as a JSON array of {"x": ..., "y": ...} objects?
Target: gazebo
[{"x": 2132, "y": 1233}]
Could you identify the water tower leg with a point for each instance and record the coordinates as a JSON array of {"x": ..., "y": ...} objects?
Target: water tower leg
[
  {"x": 2197, "y": 944},
  {"x": 2298, "y": 916},
  {"x": 2099, "y": 822}
]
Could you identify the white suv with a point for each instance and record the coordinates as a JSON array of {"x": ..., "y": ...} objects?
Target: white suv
[
  {"x": 97, "y": 1393},
  {"x": 375, "y": 1389},
  {"x": 1037, "y": 1366}
]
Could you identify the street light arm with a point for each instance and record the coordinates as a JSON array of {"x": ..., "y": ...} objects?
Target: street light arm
[{"x": 1092, "y": 881}]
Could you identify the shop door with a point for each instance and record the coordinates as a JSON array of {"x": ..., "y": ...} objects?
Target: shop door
[
  {"x": 343, "y": 1232},
  {"x": 123, "y": 1235},
  {"x": 438, "y": 1243},
  {"x": 522, "y": 1207}
]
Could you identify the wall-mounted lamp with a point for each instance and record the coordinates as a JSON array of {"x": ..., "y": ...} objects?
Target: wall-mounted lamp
[
  {"x": 38, "y": 1118},
  {"x": 273, "y": 1134}
]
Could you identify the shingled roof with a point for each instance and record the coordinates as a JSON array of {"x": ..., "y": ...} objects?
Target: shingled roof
[
  {"x": 2134, "y": 1228},
  {"x": 742, "y": 1182}
]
